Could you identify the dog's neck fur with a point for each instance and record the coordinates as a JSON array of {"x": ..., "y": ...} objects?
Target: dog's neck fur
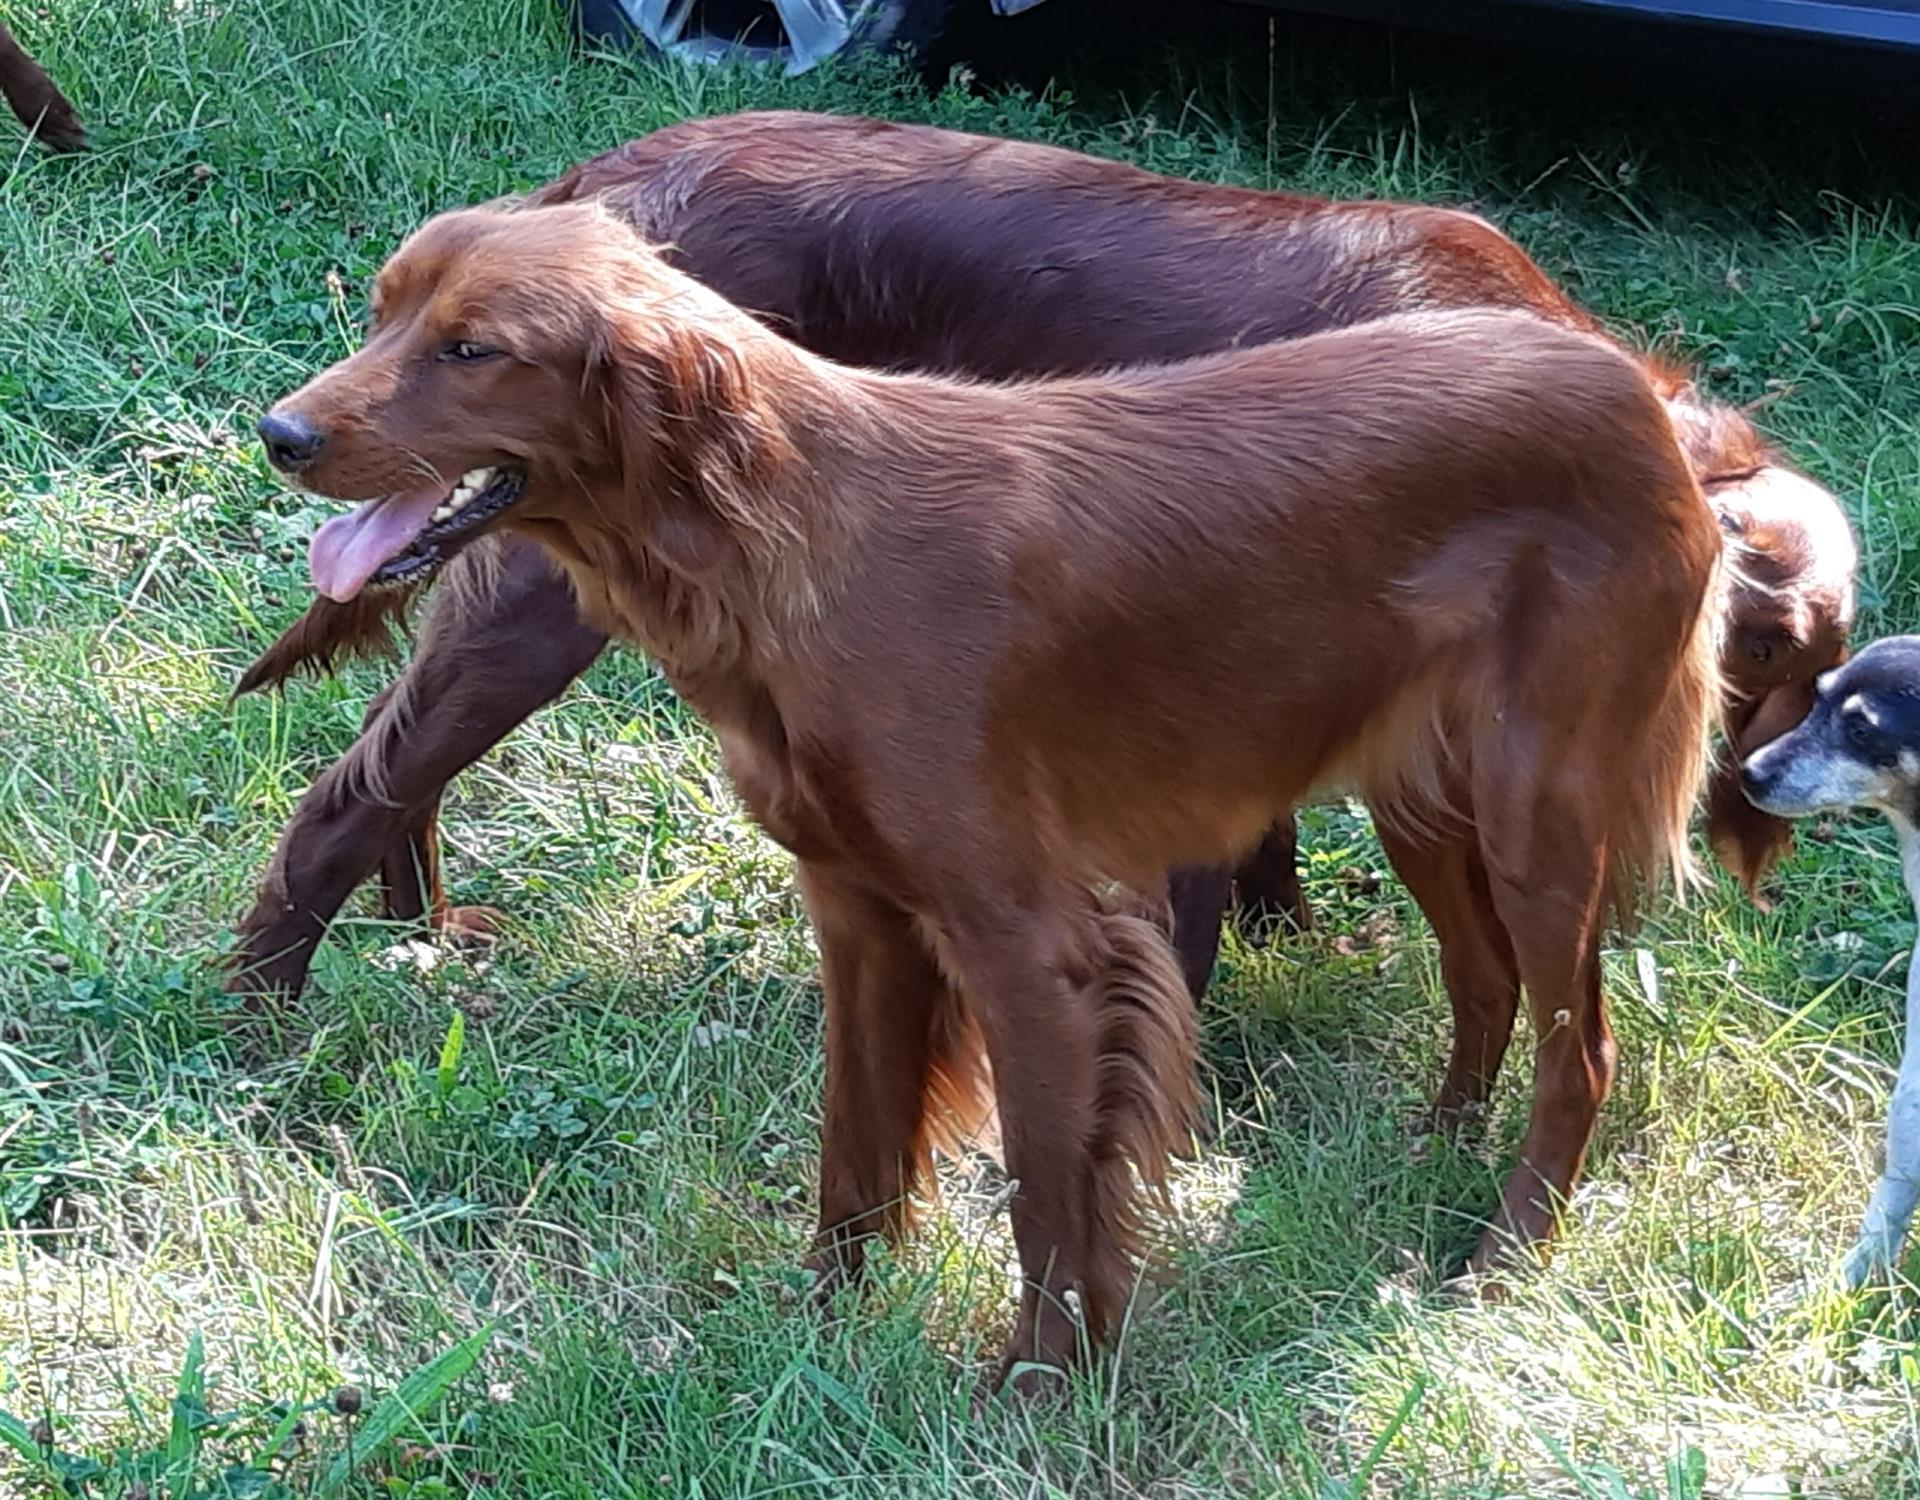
[{"x": 722, "y": 589}]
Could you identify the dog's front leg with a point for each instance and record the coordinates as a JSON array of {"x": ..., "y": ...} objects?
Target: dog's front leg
[
  {"x": 1898, "y": 1191},
  {"x": 1895, "y": 1195},
  {"x": 885, "y": 1064}
]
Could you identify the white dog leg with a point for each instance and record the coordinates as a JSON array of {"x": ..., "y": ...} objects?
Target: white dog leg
[
  {"x": 1898, "y": 1190},
  {"x": 1894, "y": 1197}
]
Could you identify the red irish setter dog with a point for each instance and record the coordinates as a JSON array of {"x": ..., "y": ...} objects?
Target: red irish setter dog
[
  {"x": 907, "y": 247},
  {"x": 990, "y": 658}
]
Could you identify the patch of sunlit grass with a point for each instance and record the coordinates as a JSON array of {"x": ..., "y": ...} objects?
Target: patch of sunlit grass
[{"x": 599, "y": 1137}]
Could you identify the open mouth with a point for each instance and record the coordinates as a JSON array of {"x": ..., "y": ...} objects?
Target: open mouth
[
  {"x": 401, "y": 538},
  {"x": 480, "y": 495}
]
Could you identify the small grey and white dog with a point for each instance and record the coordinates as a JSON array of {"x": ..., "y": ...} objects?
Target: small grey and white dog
[{"x": 1860, "y": 747}]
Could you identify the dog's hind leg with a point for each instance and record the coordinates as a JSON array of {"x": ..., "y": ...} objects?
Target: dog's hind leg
[
  {"x": 1897, "y": 1193},
  {"x": 1582, "y": 770},
  {"x": 1266, "y": 886},
  {"x": 1448, "y": 879},
  {"x": 1546, "y": 860}
]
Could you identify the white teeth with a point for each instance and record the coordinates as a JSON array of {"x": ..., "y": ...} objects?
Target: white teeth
[{"x": 471, "y": 484}]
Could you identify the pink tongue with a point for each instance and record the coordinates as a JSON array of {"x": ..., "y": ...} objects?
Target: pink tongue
[{"x": 349, "y": 549}]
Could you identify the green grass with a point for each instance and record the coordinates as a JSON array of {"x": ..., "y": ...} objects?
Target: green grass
[{"x": 613, "y": 1166}]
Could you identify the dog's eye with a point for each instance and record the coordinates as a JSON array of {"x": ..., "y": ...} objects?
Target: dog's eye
[
  {"x": 1859, "y": 731},
  {"x": 1760, "y": 649},
  {"x": 466, "y": 352}
]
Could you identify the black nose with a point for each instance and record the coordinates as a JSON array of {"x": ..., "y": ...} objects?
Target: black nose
[{"x": 292, "y": 441}]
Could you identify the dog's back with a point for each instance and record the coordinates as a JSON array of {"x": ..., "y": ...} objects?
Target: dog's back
[
  {"x": 1418, "y": 499},
  {"x": 907, "y": 246}
]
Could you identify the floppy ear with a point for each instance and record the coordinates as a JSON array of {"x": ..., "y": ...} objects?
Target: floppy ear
[
  {"x": 1746, "y": 840},
  {"x": 700, "y": 450}
]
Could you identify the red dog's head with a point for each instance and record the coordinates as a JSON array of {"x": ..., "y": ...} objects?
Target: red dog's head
[{"x": 519, "y": 363}]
